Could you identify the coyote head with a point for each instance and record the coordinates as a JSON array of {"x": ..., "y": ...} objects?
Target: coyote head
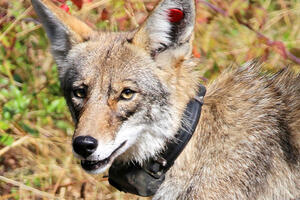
[{"x": 126, "y": 91}]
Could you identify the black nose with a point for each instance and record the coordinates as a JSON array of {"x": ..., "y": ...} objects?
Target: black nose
[{"x": 85, "y": 145}]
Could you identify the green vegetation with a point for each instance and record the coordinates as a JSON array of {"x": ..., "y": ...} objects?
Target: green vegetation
[{"x": 36, "y": 160}]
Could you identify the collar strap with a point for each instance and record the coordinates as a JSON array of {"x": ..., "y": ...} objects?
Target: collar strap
[
  {"x": 189, "y": 123},
  {"x": 145, "y": 180}
]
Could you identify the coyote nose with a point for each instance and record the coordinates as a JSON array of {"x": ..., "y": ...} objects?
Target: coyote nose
[{"x": 85, "y": 145}]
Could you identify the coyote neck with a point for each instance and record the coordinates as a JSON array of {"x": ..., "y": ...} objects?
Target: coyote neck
[{"x": 236, "y": 141}]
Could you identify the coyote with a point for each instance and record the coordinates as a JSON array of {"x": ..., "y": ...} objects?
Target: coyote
[{"x": 127, "y": 93}]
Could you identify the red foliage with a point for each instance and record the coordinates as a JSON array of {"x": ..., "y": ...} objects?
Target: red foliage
[
  {"x": 196, "y": 53},
  {"x": 79, "y": 3},
  {"x": 65, "y": 8},
  {"x": 104, "y": 15}
]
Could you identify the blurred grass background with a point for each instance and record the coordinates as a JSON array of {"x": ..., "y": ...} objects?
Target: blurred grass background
[{"x": 36, "y": 160}]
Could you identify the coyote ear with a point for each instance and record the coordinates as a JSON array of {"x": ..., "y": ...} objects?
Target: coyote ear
[
  {"x": 169, "y": 26},
  {"x": 62, "y": 29}
]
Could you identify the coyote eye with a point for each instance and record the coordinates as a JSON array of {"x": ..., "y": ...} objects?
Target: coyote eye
[
  {"x": 80, "y": 92},
  {"x": 127, "y": 94}
]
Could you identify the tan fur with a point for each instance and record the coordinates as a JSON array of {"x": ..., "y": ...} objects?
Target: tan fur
[
  {"x": 243, "y": 147},
  {"x": 78, "y": 30},
  {"x": 247, "y": 142}
]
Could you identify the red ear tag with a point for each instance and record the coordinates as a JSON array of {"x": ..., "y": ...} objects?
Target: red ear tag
[{"x": 175, "y": 15}]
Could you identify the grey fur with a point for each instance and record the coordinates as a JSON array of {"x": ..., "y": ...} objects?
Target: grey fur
[
  {"x": 56, "y": 31},
  {"x": 247, "y": 143}
]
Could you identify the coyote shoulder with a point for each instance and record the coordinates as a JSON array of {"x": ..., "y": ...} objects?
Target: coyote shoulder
[
  {"x": 247, "y": 142},
  {"x": 127, "y": 93}
]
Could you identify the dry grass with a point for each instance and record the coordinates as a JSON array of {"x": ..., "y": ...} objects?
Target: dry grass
[{"x": 36, "y": 160}]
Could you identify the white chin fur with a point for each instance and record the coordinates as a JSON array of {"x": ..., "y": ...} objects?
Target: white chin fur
[
  {"x": 127, "y": 134},
  {"x": 100, "y": 170}
]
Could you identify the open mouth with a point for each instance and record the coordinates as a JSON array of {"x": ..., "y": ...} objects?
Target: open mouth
[{"x": 92, "y": 165}]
